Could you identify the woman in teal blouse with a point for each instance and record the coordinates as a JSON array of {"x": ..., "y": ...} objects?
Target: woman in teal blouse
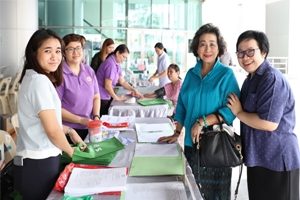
[{"x": 204, "y": 91}]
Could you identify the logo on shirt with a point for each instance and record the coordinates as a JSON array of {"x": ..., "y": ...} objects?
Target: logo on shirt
[{"x": 89, "y": 79}]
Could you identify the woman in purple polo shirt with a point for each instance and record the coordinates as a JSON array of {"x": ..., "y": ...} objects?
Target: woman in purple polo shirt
[
  {"x": 266, "y": 110},
  {"x": 79, "y": 92},
  {"x": 109, "y": 74}
]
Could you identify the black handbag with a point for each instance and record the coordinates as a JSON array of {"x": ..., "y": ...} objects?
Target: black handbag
[{"x": 217, "y": 148}]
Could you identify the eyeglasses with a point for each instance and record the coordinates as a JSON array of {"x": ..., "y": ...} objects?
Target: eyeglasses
[
  {"x": 249, "y": 53},
  {"x": 71, "y": 49},
  {"x": 124, "y": 57}
]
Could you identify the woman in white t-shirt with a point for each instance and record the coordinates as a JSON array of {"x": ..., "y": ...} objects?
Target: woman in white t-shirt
[{"x": 42, "y": 136}]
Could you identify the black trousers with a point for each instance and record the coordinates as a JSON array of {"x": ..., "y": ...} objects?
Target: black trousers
[
  {"x": 37, "y": 177},
  {"x": 105, "y": 104},
  {"x": 265, "y": 184}
]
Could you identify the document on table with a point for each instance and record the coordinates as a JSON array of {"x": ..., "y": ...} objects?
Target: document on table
[
  {"x": 162, "y": 150},
  {"x": 154, "y": 191},
  {"x": 151, "y": 132},
  {"x": 169, "y": 161},
  {"x": 92, "y": 181},
  {"x": 117, "y": 119}
]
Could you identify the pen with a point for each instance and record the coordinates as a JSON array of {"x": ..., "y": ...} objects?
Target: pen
[{"x": 153, "y": 131}]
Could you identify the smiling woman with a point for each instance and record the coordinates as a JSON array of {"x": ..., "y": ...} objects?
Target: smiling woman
[
  {"x": 203, "y": 93},
  {"x": 79, "y": 81},
  {"x": 41, "y": 138}
]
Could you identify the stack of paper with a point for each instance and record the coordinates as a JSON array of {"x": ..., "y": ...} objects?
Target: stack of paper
[
  {"x": 91, "y": 181},
  {"x": 157, "y": 160},
  {"x": 151, "y": 132},
  {"x": 155, "y": 191}
]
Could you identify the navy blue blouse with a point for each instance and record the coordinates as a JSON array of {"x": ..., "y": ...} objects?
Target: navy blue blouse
[{"x": 269, "y": 95}]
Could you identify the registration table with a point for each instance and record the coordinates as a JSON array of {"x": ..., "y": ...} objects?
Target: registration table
[
  {"x": 120, "y": 108},
  {"x": 124, "y": 159}
]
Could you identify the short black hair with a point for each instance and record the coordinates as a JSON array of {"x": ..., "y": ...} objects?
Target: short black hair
[{"x": 260, "y": 37}]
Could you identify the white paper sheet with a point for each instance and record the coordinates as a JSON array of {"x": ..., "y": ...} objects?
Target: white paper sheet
[
  {"x": 117, "y": 119},
  {"x": 155, "y": 191},
  {"x": 150, "y": 150},
  {"x": 151, "y": 132},
  {"x": 153, "y": 127},
  {"x": 91, "y": 181}
]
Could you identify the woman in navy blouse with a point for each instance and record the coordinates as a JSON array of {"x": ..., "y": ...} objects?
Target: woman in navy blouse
[{"x": 266, "y": 110}]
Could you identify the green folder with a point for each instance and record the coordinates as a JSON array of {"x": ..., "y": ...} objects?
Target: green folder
[
  {"x": 152, "y": 102},
  {"x": 158, "y": 166}
]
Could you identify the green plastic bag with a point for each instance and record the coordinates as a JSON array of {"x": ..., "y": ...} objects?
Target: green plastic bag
[
  {"x": 101, "y": 153},
  {"x": 66, "y": 197},
  {"x": 152, "y": 102}
]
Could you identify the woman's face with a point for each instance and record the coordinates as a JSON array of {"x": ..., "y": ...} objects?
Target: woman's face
[
  {"x": 172, "y": 74},
  {"x": 110, "y": 48},
  {"x": 49, "y": 55},
  {"x": 255, "y": 57},
  {"x": 158, "y": 51},
  {"x": 73, "y": 52},
  {"x": 208, "y": 49},
  {"x": 121, "y": 57}
]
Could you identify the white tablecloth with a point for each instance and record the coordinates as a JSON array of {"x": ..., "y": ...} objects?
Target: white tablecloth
[
  {"x": 124, "y": 159},
  {"x": 120, "y": 108}
]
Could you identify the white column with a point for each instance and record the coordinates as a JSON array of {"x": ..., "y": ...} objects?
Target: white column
[
  {"x": 294, "y": 42},
  {"x": 18, "y": 21}
]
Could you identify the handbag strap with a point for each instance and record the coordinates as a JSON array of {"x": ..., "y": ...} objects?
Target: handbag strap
[
  {"x": 220, "y": 123},
  {"x": 238, "y": 183},
  {"x": 240, "y": 167}
]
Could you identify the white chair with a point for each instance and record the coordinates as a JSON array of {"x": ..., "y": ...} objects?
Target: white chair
[
  {"x": 15, "y": 89},
  {"x": 4, "y": 97},
  {"x": 15, "y": 123}
]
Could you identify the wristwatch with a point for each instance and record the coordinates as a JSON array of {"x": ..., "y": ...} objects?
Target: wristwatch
[
  {"x": 96, "y": 116},
  {"x": 176, "y": 131},
  {"x": 68, "y": 132}
]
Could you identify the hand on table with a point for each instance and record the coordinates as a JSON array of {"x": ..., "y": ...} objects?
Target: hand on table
[
  {"x": 151, "y": 79},
  {"x": 137, "y": 94},
  {"x": 121, "y": 98},
  {"x": 169, "y": 139}
]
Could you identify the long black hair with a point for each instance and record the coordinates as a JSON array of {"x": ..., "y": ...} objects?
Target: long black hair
[{"x": 31, "y": 62}]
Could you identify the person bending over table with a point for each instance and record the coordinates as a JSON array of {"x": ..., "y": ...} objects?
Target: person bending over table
[
  {"x": 79, "y": 92},
  {"x": 204, "y": 92},
  {"x": 109, "y": 74},
  {"x": 41, "y": 139},
  {"x": 170, "y": 90},
  {"x": 163, "y": 61}
]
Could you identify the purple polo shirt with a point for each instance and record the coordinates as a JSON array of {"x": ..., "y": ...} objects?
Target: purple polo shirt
[
  {"x": 270, "y": 96},
  {"x": 77, "y": 92},
  {"x": 109, "y": 69}
]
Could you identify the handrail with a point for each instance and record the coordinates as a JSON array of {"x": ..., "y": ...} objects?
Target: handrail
[{"x": 280, "y": 63}]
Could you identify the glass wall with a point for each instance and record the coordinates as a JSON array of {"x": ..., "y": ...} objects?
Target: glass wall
[{"x": 138, "y": 23}]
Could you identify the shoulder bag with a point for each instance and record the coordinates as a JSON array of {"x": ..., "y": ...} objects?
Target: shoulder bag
[{"x": 220, "y": 147}]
